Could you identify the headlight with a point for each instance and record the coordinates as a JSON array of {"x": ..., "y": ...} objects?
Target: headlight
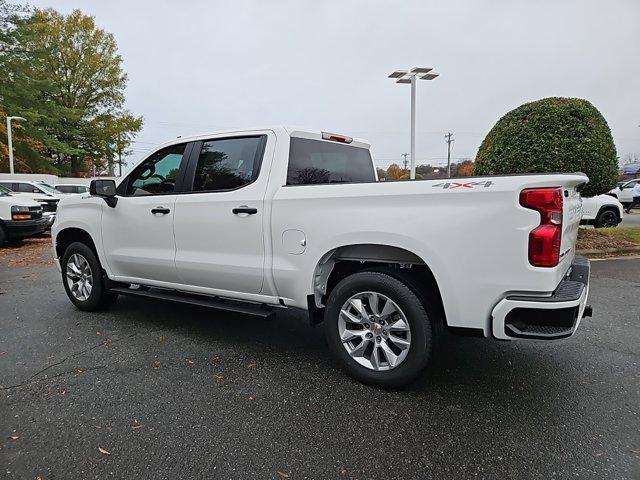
[{"x": 19, "y": 212}]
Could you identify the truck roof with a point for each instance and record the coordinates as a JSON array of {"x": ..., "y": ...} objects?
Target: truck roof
[{"x": 291, "y": 131}]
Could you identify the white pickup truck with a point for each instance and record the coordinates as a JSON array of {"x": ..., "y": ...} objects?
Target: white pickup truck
[{"x": 252, "y": 221}]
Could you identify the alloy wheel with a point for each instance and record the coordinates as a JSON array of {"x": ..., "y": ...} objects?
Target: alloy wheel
[
  {"x": 79, "y": 277},
  {"x": 374, "y": 331}
]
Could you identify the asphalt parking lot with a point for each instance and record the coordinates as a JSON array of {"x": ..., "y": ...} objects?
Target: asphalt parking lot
[{"x": 157, "y": 390}]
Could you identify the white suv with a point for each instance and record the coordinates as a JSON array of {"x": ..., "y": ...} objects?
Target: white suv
[{"x": 624, "y": 191}]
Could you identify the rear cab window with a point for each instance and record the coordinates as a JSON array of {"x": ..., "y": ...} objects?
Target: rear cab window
[{"x": 313, "y": 162}]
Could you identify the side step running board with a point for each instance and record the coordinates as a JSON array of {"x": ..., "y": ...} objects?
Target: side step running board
[{"x": 219, "y": 304}]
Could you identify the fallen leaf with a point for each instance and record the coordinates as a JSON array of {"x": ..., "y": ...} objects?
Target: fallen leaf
[
  {"x": 103, "y": 451},
  {"x": 156, "y": 364},
  {"x": 189, "y": 361},
  {"x": 13, "y": 437},
  {"x": 63, "y": 392},
  {"x": 251, "y": 365},
  {"x": 161, "y": 338},
  {"x": 343, "y": 471},
  {"x": 251, "y": 398},
  {"x": 282, "y": 474},
  {"x": 135, "y": 427},
  {"x": 79, "y": 370},
  {"x": 98, "y": 333},
  {"x": 219, "y": 378}
]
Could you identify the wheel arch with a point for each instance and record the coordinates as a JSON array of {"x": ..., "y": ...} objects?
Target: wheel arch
[
  {"x": 398, "y": 262},
  {"x": 70, "y": 235}
]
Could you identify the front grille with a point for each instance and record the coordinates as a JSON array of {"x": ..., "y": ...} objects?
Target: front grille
[
  {"x": 50, "y": 205},
  {"x": 36, "y": 212}
]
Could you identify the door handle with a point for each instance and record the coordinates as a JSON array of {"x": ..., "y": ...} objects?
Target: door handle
[
  {"x": 245, "y": 209},
  {"x": 160, "y": 210}
]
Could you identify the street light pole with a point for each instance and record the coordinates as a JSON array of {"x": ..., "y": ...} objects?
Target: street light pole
[
  {"x": 10, "y": 141},
  {"x": 404, "y": 76},
  {"x": 412, "y": 175}
]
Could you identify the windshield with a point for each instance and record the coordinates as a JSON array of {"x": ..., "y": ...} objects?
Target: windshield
[
  {"x": 48, "y": 188},
  {"x": 4, "y": 192}
]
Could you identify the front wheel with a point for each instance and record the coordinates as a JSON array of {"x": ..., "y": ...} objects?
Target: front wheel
[
  {"x": 378, "y": 328},
  {"x": 82, "y": 278},
  {"x": 606, "y": 218}
]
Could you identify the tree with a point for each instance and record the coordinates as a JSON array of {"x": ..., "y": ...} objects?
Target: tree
[
  {"x": 465, "y": 168},
  {"x": 66, "y": 78},
  {"x": 394, "y": 172},
  {"x": 552, "y": 135},
  {"x": 382, "y": 173}
]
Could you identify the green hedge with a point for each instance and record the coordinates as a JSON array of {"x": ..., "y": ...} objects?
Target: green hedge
[{"x": 552, "y": 135}]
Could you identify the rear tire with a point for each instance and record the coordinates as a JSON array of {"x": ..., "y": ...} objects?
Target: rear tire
[
  {"x": 381, "y": 352},
  {"x": 82, "y": 279},
  {"x": 606, "y": 218}
]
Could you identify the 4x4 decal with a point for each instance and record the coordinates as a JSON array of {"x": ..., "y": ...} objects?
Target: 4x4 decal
[{"x": 449, "y": 185}]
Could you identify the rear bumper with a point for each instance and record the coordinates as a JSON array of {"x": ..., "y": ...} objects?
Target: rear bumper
[
  {"x": 551, "y": 317},
  {"x": 25, "y": 228}
]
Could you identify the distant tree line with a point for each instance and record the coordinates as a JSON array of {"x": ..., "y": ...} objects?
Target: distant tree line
[
  {"x": 64, "y": 75},
  {"x": 426, "y": 171}
]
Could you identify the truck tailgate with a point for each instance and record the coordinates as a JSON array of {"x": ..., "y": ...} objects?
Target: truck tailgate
[{"x": 571, "y": 215}]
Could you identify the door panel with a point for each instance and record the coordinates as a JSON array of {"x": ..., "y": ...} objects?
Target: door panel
[
  {"x": 215, "y": 247},
  {"x": 138, "y": 243},
  {"x": 137, "y": 233}
]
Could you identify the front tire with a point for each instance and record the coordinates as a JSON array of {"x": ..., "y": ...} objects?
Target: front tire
[
  {"x": 82, "y": 279},
  {"x": 606, "y": 218},
  {"x": 378, "y": 329}
]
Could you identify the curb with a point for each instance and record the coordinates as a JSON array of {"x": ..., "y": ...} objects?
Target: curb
[{"x": 608, "y": 251}]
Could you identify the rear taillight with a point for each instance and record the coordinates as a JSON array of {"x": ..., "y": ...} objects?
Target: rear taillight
[{"x": 544, "y": 240}]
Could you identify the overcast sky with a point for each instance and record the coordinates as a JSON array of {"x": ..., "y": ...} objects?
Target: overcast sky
[{"x": 197, "y": 66}]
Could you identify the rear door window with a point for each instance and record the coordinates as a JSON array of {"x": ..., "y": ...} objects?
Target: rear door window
[
  {"x": 228, "y": 163},
  {"x": 318, "y": 162}
]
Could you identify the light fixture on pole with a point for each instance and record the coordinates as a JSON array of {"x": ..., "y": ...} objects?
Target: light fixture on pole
[
  {"x": 10, "y": 142},
  {"x": 404, "y": 76}
]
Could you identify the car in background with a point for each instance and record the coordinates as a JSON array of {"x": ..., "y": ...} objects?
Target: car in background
[
  {"x": 624, "y": 191},
  {"x": 41, "y": 192},
  {"x": 601, "y": 211},
  {"x": 19, "y": 217},
  {"x": 72, "y": 188}
]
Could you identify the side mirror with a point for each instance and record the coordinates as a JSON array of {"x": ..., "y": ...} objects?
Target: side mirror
[
  {"x": 105, "y": 189},
  {"x": 620, "y": 187}
]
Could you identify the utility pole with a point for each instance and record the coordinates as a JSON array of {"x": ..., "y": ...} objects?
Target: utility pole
[
  {"x": 449, "y": 141},
  {"x": 405, "y": 155}
]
